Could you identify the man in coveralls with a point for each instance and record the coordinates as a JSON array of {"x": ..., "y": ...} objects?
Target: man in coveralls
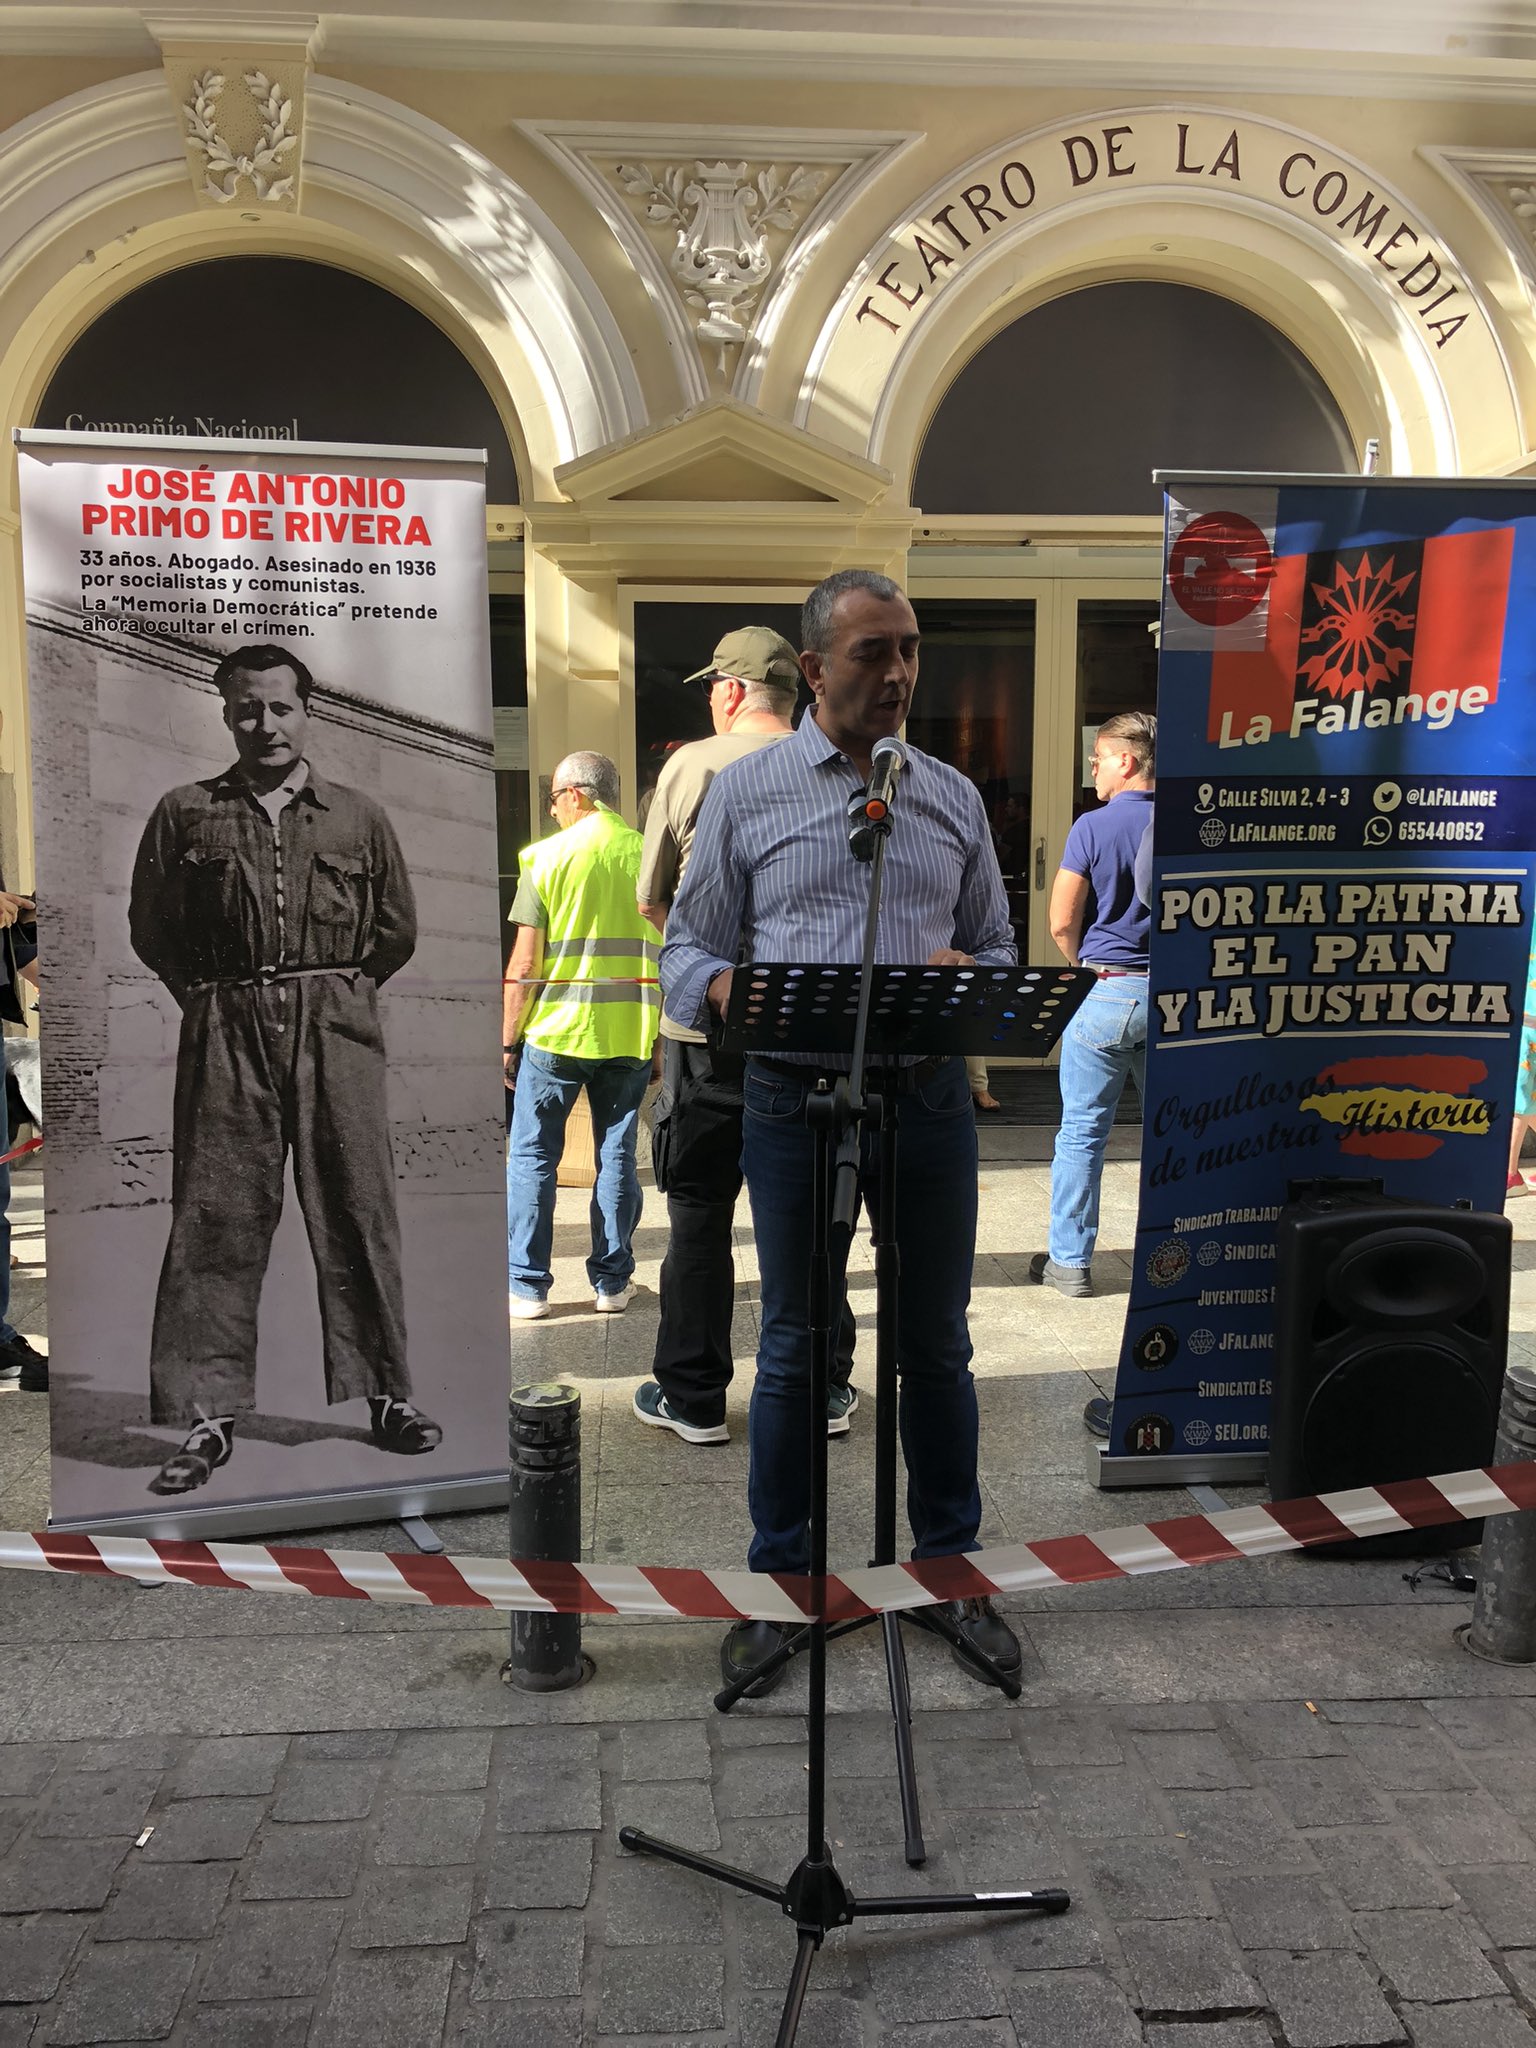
[{"x": 272, "y": 903}]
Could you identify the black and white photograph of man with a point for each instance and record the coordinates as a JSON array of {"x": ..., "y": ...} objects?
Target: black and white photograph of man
[
  {"x": 266, "y": 808},
  {"x": 273, "y": 903}
]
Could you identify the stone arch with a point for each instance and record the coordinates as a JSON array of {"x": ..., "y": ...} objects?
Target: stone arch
[
  {"x": 918, "y": 307},
  {"x": 95, "y": 198}
]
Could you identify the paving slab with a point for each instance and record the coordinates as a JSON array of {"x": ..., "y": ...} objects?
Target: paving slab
[
  {"x": 204, "y": 1831},
  {"x": 536, "y": 1870},
  {"x": 396, "y": 1999},
  {"x": 668, "y": 1991},
  {"x": 827, "y": 2020},
  {"x": 1186, "y": 1966},
  {"x": 35, "y": 1952},
  {"x": 527, "y": 1955},
  {"x": 1487, "y": 2023},
  {"x": 124, "y": 1991},
  {"x": 1465, "y": 1827},
  {"x": 1083, "y": 2007},
  {"x": 941, "y": 1979},
  {"x": 1376, "y": 1868},
  {"x": 304, "y": 1860},
  {"x": 1327, "y": 2001},
  {"x": 1428, "y": 1955},
  {"x": 271, "y": 1950},
  {"x": 59, "y": 1877},
  {"x": 1505, "y": 1911},
  {"x": 1275, "y": 1911},
  {"x": 265, "y": 2023},
  {"x": 167, "y": 1902}
]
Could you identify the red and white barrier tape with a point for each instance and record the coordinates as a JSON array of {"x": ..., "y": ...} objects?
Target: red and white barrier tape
[{"x": 533, "y": 1588}]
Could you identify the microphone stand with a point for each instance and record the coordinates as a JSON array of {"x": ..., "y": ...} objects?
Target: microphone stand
[{"x": 815, "y": 1895}]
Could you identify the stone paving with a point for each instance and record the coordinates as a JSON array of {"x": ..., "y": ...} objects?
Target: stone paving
[{"x": 1290, "y": 1809}]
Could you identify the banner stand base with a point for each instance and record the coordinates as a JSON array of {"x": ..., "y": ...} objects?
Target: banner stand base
[
  {"x": 1238, "y": 1468},
  {"x": 307, "y": 1511}
]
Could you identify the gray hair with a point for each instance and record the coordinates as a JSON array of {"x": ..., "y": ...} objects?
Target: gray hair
[
  {"x": 816, "y": 615},
  {"x": 594, "y": 773},
  {"x": 769, "y": 695}
]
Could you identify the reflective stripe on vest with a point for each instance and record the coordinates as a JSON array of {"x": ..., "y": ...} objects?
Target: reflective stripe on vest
[{"x": 597, "y": 946}]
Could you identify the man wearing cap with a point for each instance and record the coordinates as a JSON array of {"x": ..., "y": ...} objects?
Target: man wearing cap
[{"x": 751, "y": 683}]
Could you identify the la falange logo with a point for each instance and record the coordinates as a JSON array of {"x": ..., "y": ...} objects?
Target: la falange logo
[
  {"x": 1381, "y": 633},
  {"x": 1358, "y": 625}
]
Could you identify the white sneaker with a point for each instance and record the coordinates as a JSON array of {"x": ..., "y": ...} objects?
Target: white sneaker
[
  {"x": 526, "y": 1308},
  {"x": 613, "y": 1304}
]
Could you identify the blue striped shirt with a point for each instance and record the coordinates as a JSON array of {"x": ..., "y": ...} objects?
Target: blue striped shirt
[{"x": 771, "y": 876}]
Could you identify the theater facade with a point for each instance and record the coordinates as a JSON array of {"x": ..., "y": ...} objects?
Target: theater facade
[{"x": 735, "y": 300}]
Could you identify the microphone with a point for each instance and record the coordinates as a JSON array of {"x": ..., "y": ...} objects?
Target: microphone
[
  {"x": 869, "y": 810},
  {"x": 886, "y": 763}
]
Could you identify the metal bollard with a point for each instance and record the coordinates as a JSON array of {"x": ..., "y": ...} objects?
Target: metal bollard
[
  {"x": 544, "y": 1522},
  {"x": 1504, "y": 1614}
]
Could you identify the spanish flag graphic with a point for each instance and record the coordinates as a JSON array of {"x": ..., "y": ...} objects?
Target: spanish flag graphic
[{"x": 1377, "y": 622}]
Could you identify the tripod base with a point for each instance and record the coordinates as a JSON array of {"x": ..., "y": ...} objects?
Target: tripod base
[
  {"x": 817, "y": 1900},
  {"x": 935, "y": 1621}
]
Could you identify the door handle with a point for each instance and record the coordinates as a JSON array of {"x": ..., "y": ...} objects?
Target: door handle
[{"x": 1040, "y": 862}]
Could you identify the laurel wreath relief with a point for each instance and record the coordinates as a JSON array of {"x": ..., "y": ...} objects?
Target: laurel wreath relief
[{"x": 223, "y": 170}]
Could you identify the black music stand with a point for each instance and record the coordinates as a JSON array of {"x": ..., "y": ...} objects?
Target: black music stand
[
  {"x": 913, "y": 1009},
  {"x": 836, "y": 1011}
]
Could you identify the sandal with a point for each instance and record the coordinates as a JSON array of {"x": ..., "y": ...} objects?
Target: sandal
[
  {"x": 399, "y": 1427},
  {"x": 207, "y": 1448}
]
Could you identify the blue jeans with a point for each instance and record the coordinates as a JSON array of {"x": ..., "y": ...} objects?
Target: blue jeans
[
  {"x": 936, "y": 1234},
  {"x": 7, "y": 1334},
  {"x": 547, "y": 1086},
  {"x": 1105, "y": 1042}
]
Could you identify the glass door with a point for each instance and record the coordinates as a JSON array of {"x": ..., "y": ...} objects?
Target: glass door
[
  {"x": 1098, "y": 656},
  {"x": 975, "y": 709},
  {"x": 1114, "y": 669}
]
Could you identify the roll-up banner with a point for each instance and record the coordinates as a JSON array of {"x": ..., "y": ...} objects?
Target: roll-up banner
[
  {"x": 265, "y": 839},
  {"x": 1342, "y": 896}
]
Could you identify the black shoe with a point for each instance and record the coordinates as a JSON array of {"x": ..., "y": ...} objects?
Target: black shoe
[
  {"x": 1096, "y": 1415},
  {"x": 748, "y": 1644},
  {"x": 21, "y": 1366},
  {"x": 1075, "y": 1282},
  {"x": 399, "y": 1427},
  {"x": 207, "y": 1448},
  {"x": 985, "y": 1629}
]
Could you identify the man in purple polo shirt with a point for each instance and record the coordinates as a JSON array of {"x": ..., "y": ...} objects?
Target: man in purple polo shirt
[{"x": 1100, "y": 920}]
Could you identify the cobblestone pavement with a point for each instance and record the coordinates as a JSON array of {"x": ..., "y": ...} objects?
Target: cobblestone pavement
[
  {"x": 1361, "y": 1873},
  {"x": 1291, "y": 1811}
]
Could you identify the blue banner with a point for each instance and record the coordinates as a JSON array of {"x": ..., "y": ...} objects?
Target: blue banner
[{"x": 1342, "y": 904}]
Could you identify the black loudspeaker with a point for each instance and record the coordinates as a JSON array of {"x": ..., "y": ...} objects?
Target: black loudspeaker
[{"x": 1391, "y": 1329}]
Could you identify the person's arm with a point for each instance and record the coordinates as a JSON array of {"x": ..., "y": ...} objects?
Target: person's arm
[
  {"x": 656, "y": 883},
  {"x": 525, "y": 963},
  {"x": 152, "y": 900},
  {"x": 703, "y": 937},
  {"x": 517, "y": 994},
  {"x": 13, "y": 909},
  {"x": 983, "y": 934},
  {"x": 394, "y": 905},
  {"x": 1068, "y": 912}
]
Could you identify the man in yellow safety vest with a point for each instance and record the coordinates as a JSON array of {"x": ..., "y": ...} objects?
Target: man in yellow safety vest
[{"x": 580, "y": 1011}]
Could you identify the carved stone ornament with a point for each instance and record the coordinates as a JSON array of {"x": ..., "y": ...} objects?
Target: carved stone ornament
[
  {"x": 1521, "y": 200},
  {"x": 727, "y": 231},
  {"x": 262, "y": 165}
]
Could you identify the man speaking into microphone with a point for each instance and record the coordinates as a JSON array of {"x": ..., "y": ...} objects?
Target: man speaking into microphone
[{"x": 773, "y": 877}]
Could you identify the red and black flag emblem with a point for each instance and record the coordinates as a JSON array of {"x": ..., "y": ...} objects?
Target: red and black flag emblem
[{"x": 1383, "y": 622}]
